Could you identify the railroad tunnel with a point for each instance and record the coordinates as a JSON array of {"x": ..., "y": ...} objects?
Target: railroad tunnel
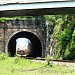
[{"x": 36, "y": 50}]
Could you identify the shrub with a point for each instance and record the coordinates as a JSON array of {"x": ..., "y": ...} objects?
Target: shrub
[
  {"x": 49, "y": 60},
  {"x": 3, "y": 56}
]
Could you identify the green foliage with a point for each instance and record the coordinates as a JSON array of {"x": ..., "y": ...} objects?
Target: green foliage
[
  {"x": 49, "y": 60},
  {"x": 63, "y": 33},
  {"x": 31, "y": 67},
  {"x": 16, "y": 59},
  {"x": 65, "y": 38},
  {"x": 3, "y": 19},
  {"x": 36, "y": 19},
  {"x": 3, "y": 56},
  {"x": 70, "y": 50},
  {"x": 51, "y": 20}
]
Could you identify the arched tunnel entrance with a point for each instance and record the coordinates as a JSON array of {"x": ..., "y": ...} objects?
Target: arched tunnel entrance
[{"x": 36, "y": 50}]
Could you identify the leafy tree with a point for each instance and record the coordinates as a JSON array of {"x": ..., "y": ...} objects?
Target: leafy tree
[
  {"x": 63, "y": 35},
  {"x": 70, "y": 50}
]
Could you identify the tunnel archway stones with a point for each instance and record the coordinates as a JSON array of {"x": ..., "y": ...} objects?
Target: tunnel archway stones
[{"x": 37, "y": 32}]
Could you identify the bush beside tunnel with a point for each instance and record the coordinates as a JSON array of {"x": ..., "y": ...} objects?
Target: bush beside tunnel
[{"x": 36, "y": 50}]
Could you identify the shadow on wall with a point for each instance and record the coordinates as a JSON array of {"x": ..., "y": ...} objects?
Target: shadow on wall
[{"x": 36, "y": 50}]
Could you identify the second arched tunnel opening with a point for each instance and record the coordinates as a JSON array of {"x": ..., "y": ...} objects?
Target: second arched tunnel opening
[{"x": 36, "y": 50}]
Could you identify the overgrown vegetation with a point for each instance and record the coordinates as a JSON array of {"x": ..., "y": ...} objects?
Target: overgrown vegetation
[
  {"x": 22, "y": 66},
  {"x": 3, "y": 19},
  {"x": 3, "y": 56},
  {"x": 62, "y": 35},
  {"x": 49, "y": 60}
]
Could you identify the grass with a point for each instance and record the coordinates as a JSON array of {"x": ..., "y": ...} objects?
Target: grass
[{"x": 20, "y": 66}]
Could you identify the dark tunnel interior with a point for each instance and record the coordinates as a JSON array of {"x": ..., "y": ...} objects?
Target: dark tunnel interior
[{"x": 36, "y": 50}]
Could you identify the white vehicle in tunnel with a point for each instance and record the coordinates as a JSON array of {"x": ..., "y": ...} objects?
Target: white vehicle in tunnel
[{"x": 23, "y": 46}]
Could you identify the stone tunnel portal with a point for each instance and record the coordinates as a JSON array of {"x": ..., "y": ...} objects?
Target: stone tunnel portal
[{"x": 36, "y": 50}]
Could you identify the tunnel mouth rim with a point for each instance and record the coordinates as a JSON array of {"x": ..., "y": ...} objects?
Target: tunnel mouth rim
[{"x": 10, "y": 51}]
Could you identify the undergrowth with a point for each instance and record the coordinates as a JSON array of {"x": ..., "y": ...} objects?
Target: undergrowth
[{"x": 21, "y": 66}]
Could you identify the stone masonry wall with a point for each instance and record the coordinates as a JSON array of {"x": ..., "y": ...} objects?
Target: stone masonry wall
[{"x": 9, "y": 28}]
